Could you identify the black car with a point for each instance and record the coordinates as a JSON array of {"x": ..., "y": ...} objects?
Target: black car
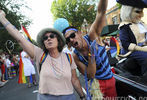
[{"x": 129, "y": 81}]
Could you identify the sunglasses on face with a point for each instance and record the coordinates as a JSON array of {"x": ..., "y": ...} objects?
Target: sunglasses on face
[
  {"x": 138, "y": 11},
  {"x": 50, "y": 36},
  {"x": 72, "y": 35}
]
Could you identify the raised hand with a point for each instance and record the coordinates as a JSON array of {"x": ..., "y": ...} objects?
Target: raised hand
[{"x": 2, "y": 14}]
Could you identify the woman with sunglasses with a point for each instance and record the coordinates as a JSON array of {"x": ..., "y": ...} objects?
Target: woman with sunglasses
[
  {"x": 133, "y": 33},
  {"x": 57, "y": 73}
]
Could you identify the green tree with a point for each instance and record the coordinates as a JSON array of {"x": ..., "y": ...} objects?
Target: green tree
[
  {"x": 119, "y": 5},
  {"x": 13, "y": 10},
  {"x": 75, "y": 11}
]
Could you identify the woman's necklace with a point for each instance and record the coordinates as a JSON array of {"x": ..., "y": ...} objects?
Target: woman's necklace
[{"x": 58, "y": 71}]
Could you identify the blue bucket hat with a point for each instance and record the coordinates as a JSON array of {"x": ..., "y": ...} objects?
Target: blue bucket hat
[
  {"x": 60, "y": 24},
  {"x": 134, "y": 3}
]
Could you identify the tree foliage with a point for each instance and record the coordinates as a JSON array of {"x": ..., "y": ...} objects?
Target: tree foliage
[
  {"x": 75, "y": 11},
  {"x": 119, "y": 5},
  {"x": 13, "y": 10}
]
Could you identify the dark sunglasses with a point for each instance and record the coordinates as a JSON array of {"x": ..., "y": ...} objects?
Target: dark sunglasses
[
  {"x": 51, "y": 36},
  {"x": 72, "y": 35},
  {"x": 138, "y": 11}
]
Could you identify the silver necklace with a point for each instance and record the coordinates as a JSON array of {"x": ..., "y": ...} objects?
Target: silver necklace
[{"x": 58, "y": 71}]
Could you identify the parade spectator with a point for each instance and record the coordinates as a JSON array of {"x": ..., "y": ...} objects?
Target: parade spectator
[
  {"x": 15, "y": 60},
  {"x": 106, "y": 43},
  {"x": 68, "y": 49},
  {"x": 57, "y": 75},
  {"x": 1, "y": 83},
  {"x": 2, "y": 69},
  {"x": 8, "y": 66},
  {"x": 90, "y": 54},
  {"x": 29, "y": 70},
  {"x": 13, "y": 72}
]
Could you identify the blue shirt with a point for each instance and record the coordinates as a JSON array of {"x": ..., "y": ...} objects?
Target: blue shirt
[{"x": 103, "y": 68}]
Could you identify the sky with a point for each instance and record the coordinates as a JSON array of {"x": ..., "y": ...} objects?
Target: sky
[{"x": 41, "y": 15}]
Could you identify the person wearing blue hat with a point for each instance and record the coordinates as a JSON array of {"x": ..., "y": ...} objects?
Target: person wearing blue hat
[{"x": 133, "y": 32}]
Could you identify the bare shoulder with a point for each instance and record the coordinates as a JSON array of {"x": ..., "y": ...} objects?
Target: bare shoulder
[
  {"x": 76, "y": 59},
  {"x": 74, "y": 56}
]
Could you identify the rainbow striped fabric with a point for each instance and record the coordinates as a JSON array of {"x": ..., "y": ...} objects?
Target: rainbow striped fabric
[
  {"x": 43, "y": 58},
  {"x": 69, "y": 58},
  {"x": 44, "y": 55},
  {"x": 117, "y": 45},
  {"x": 27, "y": 35},
  {"x": 22, "y": 78}
]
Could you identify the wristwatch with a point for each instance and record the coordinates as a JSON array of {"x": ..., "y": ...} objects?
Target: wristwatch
[{"x": 82, "y": 97}]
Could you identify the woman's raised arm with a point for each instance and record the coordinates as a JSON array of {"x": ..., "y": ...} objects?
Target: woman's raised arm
[{"x": 25, "y": 44}]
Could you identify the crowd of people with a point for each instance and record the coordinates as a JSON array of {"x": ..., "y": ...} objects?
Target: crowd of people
[
  {"x": 57, "y": 65},
  {"x": 9, "y": 66}
]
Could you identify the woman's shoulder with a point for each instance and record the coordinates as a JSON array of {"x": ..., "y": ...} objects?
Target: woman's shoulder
[
  {"x": 64, "y": 53},
  {"x": 38, "y": 52},
  {"x": 38, "y": 49},
  {"x": 67, "y": 55}
]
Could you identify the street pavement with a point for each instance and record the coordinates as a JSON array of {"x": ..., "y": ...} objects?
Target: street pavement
[{"x": 14, "y": 91}]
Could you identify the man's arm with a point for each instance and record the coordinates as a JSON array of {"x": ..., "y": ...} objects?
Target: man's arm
[
  {"x": 91, "y": 69},
  {"x": 100, "y": 20}
]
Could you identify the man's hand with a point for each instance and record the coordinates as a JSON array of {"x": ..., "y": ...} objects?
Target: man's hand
[
  {"x": 91, "y": 69},
  {"x": 100, "y": 20}
]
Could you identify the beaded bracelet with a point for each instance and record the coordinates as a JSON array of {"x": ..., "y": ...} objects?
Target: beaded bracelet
[{"x": 5, "y": 25}]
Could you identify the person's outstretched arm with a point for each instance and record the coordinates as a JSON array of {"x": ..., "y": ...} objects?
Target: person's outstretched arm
[
  {"x": 76, "y": 84},
  {"x": 99, "y": 21},
  {"x": 25, "y": 44}
]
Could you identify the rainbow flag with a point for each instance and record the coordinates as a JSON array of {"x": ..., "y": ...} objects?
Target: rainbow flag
[
  {"x": 117, "y": 45},
  {"x": 22, "y": 78},
  {"x": 27, "y": 35},
  {"x": 115, "y": 49}
]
